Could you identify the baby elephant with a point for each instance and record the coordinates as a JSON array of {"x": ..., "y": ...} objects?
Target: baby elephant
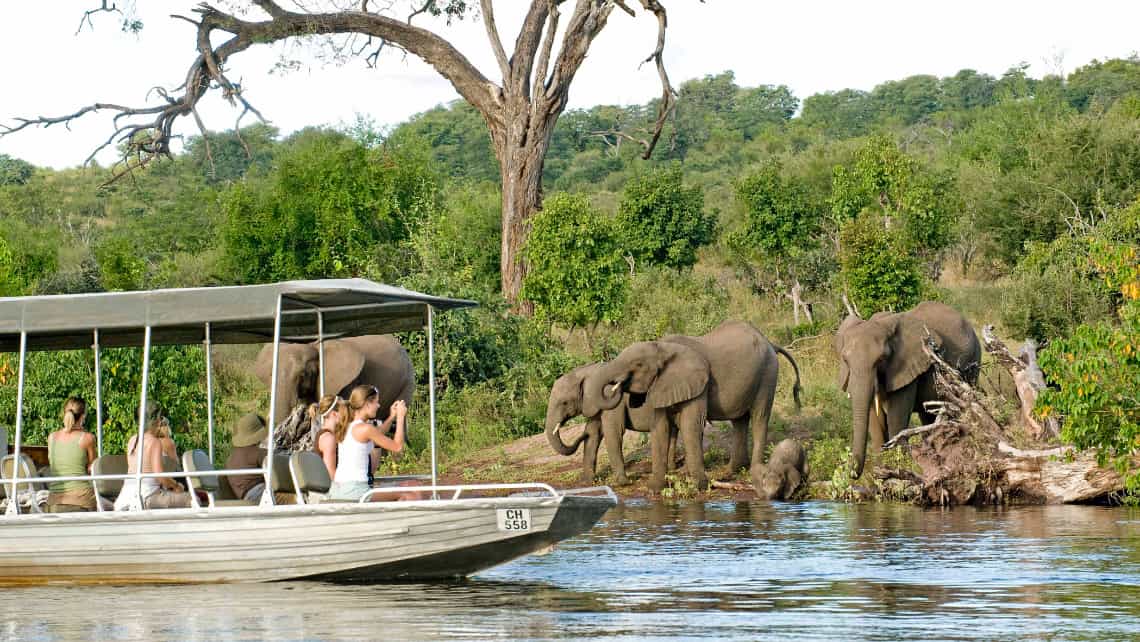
[{"x": 783, "y": 474}]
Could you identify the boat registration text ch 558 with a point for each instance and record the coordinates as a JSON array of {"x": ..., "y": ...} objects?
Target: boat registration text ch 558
[{"x": 513, "y": 519}]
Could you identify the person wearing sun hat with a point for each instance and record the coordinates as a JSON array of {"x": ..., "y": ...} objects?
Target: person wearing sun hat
[{"x": 247, "y": 452}]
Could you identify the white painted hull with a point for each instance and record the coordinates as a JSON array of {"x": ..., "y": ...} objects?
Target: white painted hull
[{"x": 339, "y": 542}]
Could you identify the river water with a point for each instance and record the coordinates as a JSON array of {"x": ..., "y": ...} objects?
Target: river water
[{"x": 713, "y": 571}]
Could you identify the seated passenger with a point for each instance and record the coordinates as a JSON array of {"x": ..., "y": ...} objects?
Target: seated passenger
[
  {"x": 247, "y": 452},
  {"x": 154, "y": 414},
  {"x": 331, "y": 416},
  {"x": 356, "y": 441},
  {"x": 71, "y": 451},
  {"x": 161, "y": 492}
]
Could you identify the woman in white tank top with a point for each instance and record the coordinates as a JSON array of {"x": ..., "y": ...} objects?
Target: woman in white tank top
[{"x": 356, "y": 441}]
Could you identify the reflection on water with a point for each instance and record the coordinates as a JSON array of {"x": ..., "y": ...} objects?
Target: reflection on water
[{"x": 725, "y": 570}]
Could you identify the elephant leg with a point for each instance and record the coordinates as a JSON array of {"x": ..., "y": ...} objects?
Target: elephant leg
[
  {"x": 659, "y": 451},
  {"x": 691, "y": 422},
  {"x": 899, "y": 405},
  {"x": 672, "y": 461},
  {"x": 926, "y": 392},
  {"x": 761, "y": 412},
  {"x": 738, "y": 447},
  {"x": 613, "y": 432},
  {"x": 590, "y": 451}
]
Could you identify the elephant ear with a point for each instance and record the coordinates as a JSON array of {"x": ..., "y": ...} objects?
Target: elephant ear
[
  {"x": 581, "y": 377},
  {"x": 908, "y": 359},
  {"x": 343, "y": 363},
  {"x": 684, "y": 376}
]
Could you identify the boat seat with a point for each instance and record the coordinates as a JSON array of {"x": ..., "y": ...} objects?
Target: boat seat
[
  {"x": 194, "y": 461},
  {"x": 27, "y": 470},
  {"x": 108, "y": 488},
  {"x": 283, "y": 489},
  {"x": 309, "y": 474}
]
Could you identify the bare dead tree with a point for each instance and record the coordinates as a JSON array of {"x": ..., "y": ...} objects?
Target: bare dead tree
[
  {"x": 1028, "y": 379},
  {"x": 520, "y": 109},
  {"x": 798, "y": 303}
]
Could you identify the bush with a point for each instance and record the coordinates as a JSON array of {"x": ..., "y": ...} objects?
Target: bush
[
  {"x": 662, "y": 221},
  {"x": 782, "y": 219},
  {"x": 177, "y": 383},
  {"x": 577, "y": 274},
  {"x": 331, "y": 207},
  {"x": 877, "y": 271},
  {"x": 1095, "y": 371}
]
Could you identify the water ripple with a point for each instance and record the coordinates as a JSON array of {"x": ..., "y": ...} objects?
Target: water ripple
[{"x": 716, "y": 571}]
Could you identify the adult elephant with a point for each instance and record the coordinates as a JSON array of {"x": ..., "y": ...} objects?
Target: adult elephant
[
  {"x": 377, "y": 360},
  {"x": 566, "y": 401},
  {"x": 887, "y": 374},
  {"x": 727, "y": 374}
]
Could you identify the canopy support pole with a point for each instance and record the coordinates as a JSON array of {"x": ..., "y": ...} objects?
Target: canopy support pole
[
  {"x": 209, "y": 394},
  {"x": 13, "y": 496},
  {"x": 98, "y": 397},
  {"x": 431, "y": 393},
  {"x": 321, "y": 353},
  {"x": 137, "y": 500},
  {"x": 267, "y": 494}
]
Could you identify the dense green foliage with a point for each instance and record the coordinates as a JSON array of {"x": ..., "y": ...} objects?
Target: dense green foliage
[
  {"x": 663, "y": 221},
  {"x": 919, "y": 185},
  {"x": 877, "y": 270},
  {"x": 577, "y": 273},
  {"x": 1095, "y": 367}
]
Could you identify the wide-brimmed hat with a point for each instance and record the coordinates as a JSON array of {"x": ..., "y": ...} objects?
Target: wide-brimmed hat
[{"x": 249, "y": 431}]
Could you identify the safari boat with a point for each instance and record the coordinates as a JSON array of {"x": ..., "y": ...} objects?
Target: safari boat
[{"x": 459, "y": 530}]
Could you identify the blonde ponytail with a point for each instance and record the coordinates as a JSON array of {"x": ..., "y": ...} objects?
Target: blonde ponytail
[{"x": 73, "y": 410}]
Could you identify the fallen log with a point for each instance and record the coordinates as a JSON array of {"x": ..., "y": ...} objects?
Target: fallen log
[
  {"x": 1027, "y": 378},
  {"x": 965, "y": 457}
]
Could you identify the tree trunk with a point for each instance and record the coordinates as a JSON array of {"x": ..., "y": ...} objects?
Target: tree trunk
[{"x": 520, "y": 144}]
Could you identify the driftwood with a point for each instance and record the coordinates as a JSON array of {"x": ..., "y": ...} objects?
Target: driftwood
[
  {"x": 1029, "y": 380},
  {"x": 798, "y": 303},
  {"x": 295, "y": 433},
  {"x": 965, "y": 457}
]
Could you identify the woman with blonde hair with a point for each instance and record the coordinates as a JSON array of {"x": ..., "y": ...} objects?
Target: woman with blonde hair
[
  {"x": 330, "y": 415},
  {"x": 355, "y": 441},
  {"x": 71, "y": 451},
  {"x": 160, "y": 492}
]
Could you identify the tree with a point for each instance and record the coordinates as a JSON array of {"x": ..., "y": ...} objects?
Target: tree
[
  {"x": 14, "y": 171},
  {"x": 578, "y": 275},
  {"x": 782, "y": 219},
  {"x": 520, "y": 110},
  {"x": 663, "y": 221},
  {"x": 330, "y": 208},
  {"x": 876, "y": 270},
  {"x": 902, "y": 191}
]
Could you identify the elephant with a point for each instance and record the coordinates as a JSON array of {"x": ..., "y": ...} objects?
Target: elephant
[
  {"x": 378, "y": 360},
  {"x": 781, "y": 477},
  {"x": 566, "y": 402},
  {"x": 887, "y": 374},
  {"x": 728, "y": 374}
]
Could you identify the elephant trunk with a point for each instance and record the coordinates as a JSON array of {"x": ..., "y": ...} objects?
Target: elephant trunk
[
  {"x": 861, "y": 399},
  {"x": 553, "y": 425},
  {"x": 602, "y": 391}
]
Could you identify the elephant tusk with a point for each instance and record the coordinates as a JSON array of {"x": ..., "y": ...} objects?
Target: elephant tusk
[
  {"x": 556, "y": 429},
  {"x": 613, "y": 389},
  {"x": 878, "y": 408}
]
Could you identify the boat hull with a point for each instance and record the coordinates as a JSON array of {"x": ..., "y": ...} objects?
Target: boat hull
[{"x": 371, "y": 542}]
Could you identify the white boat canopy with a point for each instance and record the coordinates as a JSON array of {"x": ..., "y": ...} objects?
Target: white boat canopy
[{"x": 236, "y": 314}]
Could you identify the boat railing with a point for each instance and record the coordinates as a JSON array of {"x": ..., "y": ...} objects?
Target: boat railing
[{"x": 457, "y": 490}]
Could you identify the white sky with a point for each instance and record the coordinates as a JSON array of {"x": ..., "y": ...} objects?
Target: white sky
[{"x": 809, "y": 45}]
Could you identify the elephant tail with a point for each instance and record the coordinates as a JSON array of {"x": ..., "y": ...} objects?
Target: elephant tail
[{"x": 796, "y": 389}]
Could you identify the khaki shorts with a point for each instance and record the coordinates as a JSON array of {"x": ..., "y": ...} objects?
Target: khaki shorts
[{"x": 164, "y": 498}]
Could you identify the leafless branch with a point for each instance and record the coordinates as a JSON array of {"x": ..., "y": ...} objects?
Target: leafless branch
[
  {"x": 541, "y": 81},
  {"x": 108, "y": 7},
  {"x": 493, "y": 36},
  {"x": 668, "y": 94}
]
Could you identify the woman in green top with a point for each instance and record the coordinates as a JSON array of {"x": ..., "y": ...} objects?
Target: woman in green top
[{"x": 71, "y": 451}]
